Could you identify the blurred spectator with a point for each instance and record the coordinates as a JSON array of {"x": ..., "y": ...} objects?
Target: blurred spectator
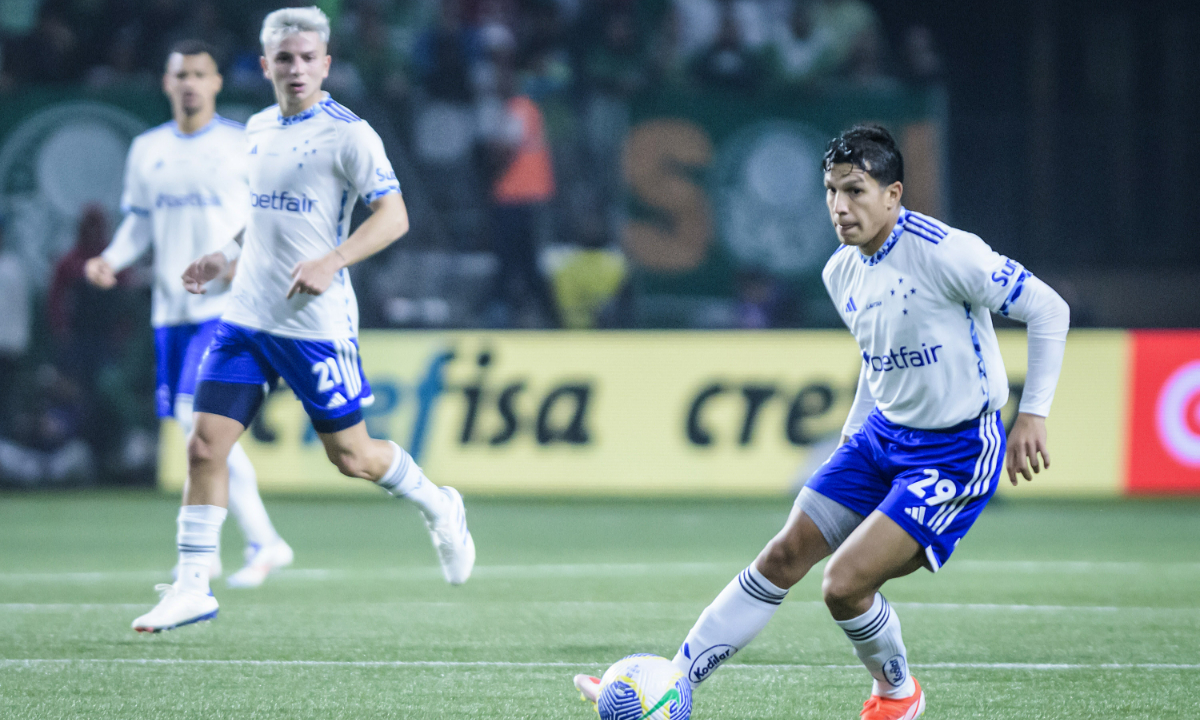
[
  {"x": 446, "y": 54},
  {"x": 121, "y": 66},
  {"x": 590, "y": 285},
  {"x": 730, "y": 63},
  {"x": 922, "y": 60},
  {"x": 762, "y": 302},
  {"x": 817, "y": 40},
  {"x": 611, "y": 49},
  {"x": 515, "y": 148},
  {"x": 50, "y": 54},
  {"x": 15, "y": 315},
  {"x": 45, "y": 447}
]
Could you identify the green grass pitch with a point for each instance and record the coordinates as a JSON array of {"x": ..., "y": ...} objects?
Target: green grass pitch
[{"x": 1047, "y": 611}]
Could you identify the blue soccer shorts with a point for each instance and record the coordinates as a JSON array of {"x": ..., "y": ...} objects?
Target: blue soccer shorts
[
  {"x": 932, "y": 483},
  {"x": 178, "y": 349},
  {"x": 326, "y": 375}
]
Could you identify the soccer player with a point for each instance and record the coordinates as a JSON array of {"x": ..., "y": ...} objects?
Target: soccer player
[
  {"x": 921, "y": 448},
  {"x": 185, "y": 190},
  {"x": 293, "y": 312}
]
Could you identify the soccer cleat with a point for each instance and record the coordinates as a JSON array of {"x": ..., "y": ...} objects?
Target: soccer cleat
[
  {"x": 452, "y": 540},
  {"x": 589, "y": 688},
  {"x": 881, "y": 708},
  {"x": 176, "y": 608},
  {"x": 261, "y": 561},
  {"x": 214, "y": 569}
]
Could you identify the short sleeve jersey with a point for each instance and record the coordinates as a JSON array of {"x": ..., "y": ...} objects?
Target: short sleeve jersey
[
  {"x": 920, "y": 309},
  {"x": 306, "y": 171},
  {"x": 192, "y": 188}
]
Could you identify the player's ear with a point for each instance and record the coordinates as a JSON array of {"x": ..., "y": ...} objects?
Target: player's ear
[
  {"x": 894, "y": 192},
  {"x": 262, "y": 60}
]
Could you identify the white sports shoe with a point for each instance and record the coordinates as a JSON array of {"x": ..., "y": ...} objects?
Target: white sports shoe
[
  {"x": 261, "y": 561},
  {"x": 214, "y": 570},
  {"x": 589, "y": 688},
  {"x": 452, "y": 540},
  {"x": 176, "y": 608}
]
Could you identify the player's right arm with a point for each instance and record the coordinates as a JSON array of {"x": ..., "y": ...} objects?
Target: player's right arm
[
  {"x": 207, "y": 268},
  {"x": 864, "y": 403},
  {"x": 135, "y": 234}
]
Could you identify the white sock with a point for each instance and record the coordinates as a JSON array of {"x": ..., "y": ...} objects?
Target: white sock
[
  {"x": 735, "y": 618},
  {"x": 877, "y": 642},
  {"x": 199, "y": 529},
  {"x": 245, "y": 502},
  {"x": 405, "y": 479}
]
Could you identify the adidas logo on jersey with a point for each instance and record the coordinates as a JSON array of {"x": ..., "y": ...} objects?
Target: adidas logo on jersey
[
  {"x": 850, "y": 306},
  {"x": 916, "y": 513},
  {"x": 336, "y": 401}
]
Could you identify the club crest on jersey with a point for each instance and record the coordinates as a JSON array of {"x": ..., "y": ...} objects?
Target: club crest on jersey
[{"x": 282, "y": 201}]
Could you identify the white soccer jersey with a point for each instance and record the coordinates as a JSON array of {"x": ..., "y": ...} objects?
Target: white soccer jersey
[
  {"x": 191, "y": 192},
  {"x": 920, "y": 309},
  {"x": 306, "y": 172}
]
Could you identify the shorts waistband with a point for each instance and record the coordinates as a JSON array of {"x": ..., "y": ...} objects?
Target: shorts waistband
[{"x": 960, "y": 427}]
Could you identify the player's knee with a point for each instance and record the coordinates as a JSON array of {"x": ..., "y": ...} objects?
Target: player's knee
[
  {"x": 840, "y": 585},
  {"x": 200, "y": 450},
  {"x": 783, "y": 562}
]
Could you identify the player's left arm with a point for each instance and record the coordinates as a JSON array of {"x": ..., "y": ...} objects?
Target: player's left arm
[
  {"x": 387, "y": 223},
  {"x": 987, "y": 278},
  {"x": 363, "y": 162}
]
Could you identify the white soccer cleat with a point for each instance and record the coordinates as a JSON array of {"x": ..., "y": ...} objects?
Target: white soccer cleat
[
  {"x": 452, "y": 540},
  {"x": 261, "y": 561},
  {"x": 589, "y": 688},
  {"x": 214, "y": 569},
  {"x": 176, "y": 608}
]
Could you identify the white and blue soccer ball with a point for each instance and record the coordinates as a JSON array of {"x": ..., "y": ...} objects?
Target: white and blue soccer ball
[{"x": 644, "y": 687}]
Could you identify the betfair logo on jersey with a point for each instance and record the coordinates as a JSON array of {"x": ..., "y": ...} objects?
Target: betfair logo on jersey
[
  {"x": 282, "y": 201},
  {"x": 903, "y": 359},
  {"x": 166, "y": 200}
]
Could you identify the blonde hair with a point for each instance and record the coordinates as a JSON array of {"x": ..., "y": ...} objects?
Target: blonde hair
[{"x": 289, "y": 21}]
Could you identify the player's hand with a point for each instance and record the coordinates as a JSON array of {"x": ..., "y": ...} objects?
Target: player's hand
[
  {"x": 1026, "y": 441},
  {"x": 99, "y": 273},
  {"x": 313, "y": 277},
  {"x": 201, "y": 271}
]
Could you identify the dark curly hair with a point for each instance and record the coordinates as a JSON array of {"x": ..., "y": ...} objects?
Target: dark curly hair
[{"x": 871, "y": 149}]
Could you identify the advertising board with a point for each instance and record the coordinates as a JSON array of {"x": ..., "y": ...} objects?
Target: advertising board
[{"x": 657, "y": 413}]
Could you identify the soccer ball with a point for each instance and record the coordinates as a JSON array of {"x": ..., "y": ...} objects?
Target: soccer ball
[{"x": 644, "y": 687}]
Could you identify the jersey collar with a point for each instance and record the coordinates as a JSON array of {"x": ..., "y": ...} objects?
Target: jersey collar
[
  {"x": 304, "y": 114},
  {"x": 180, "y": 134},
  {"x": 888, "y": 244}
]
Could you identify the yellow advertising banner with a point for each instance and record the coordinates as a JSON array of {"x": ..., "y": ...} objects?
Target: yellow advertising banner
[{"x": 662, "y": 413}]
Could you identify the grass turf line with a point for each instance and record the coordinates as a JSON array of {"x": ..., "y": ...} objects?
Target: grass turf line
[{"x": 1020, "y": 624}]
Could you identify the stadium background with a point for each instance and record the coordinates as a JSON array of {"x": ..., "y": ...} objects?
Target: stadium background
[
  {"x": 627, "y": 448},
  {"x": 684, "y": 138}
]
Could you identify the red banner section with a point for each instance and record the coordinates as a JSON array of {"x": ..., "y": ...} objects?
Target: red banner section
[{"x": 1164, "y": 421}]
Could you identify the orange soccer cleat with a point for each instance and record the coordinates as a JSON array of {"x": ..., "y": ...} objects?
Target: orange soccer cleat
[{"x": 881, "y": 708}]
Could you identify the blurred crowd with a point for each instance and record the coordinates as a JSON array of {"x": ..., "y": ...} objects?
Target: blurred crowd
[{"x": 505, "y": 120}]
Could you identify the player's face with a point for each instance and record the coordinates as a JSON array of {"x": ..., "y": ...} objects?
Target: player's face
[
  {"x": 297, "y": 66},
  {"x": 192, "y": 83},
  {"x": 862, "y": 211}
]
